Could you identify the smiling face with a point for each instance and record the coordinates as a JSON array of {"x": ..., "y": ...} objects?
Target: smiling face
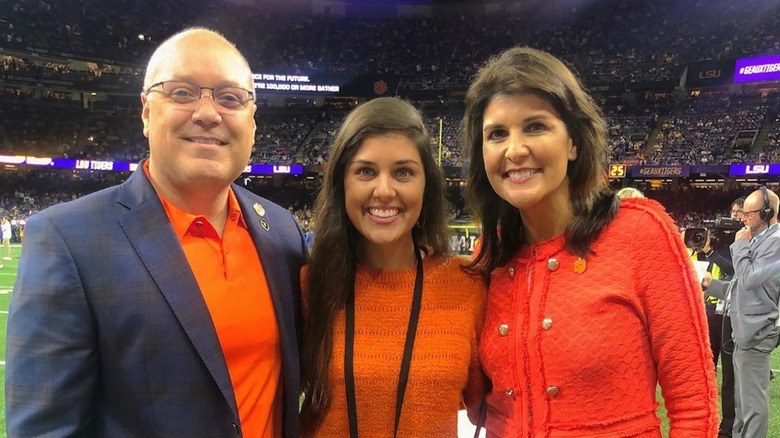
[
  {"x": 384, "y": 183},
  {"x": 526, "y": 150},
  {"x": 204, "y": 146}
]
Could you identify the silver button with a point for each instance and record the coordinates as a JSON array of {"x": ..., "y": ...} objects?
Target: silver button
[
  {"x": 503, "y": 329},
  {"x": 552, "y": 391},
  {"x": 546, "y": 324},
  {"x": 552, "y": 264},
  {"x": 511, "y": 272},
  {"x": 510, "y": 392}
]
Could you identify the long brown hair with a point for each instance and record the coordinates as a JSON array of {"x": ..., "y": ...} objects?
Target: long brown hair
[
  {"x": 527, "y": 70},
  {"x": 333, "y": 260}
]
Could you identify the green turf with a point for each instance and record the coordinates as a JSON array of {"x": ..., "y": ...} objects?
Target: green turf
[
  {"x": 8, "y": 275},
  {"x": 774, "y": 399}
]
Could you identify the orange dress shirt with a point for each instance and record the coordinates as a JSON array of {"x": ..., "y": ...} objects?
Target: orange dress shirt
[{"x": 232, "y": 281}]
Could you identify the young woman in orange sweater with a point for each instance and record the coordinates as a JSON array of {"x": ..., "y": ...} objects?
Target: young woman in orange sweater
[
  {"x": 592, "y": 300},
  {"x": 391, "y": 321}
]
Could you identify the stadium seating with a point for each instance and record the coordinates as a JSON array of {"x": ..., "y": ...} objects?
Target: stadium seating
[{"x": 53, "y": 50}]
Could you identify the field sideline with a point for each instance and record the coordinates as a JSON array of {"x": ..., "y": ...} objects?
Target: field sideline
[{"x": 8, "y": 276}]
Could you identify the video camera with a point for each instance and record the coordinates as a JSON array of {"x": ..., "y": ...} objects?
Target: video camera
[{"x": 721, "y": 230}]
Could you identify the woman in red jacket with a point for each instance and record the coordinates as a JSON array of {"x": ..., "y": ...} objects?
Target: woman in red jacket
[{"x": 592, "y": 300}]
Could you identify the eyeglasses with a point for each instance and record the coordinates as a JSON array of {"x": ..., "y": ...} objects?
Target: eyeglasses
[
  {"x": 748, "y": 213},
  {"x": 188, "y": 95}
]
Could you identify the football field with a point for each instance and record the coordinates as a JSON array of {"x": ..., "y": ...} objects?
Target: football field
[{"x": 8, "y": 276}]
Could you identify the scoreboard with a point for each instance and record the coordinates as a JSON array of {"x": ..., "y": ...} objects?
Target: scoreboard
[{"x": 617, "y": 170}]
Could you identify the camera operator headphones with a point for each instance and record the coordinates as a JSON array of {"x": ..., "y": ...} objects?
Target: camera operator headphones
[{"x": 767, "y": 212}]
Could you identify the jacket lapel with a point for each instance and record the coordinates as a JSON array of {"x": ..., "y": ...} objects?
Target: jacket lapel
[
  {"x": 148, "y": 229},
  {"x": 277, "y": 274},
  {"x": 765, "y": 238}
]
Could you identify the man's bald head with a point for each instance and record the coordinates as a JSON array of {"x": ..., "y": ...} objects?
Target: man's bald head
[
  {"x": 755, "y": 201},
  {"x": 198, "y": 36},
  {"x": 202, "y": 147}
]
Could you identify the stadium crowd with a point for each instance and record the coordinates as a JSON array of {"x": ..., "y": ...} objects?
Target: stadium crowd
[
  {"x": 706, "y": 129},
  {"x": 636, "y": 44},
  {"x": 26, "y": 191}
]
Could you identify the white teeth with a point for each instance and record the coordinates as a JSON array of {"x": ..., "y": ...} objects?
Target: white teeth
[
  {"x": 205, "y": 140},
  {"x": 517, "y": 174},
  {"x": 383, "y": 213}
]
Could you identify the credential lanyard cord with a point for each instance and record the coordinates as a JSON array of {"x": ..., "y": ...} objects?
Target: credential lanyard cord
[{"x": 403, "y": 377}]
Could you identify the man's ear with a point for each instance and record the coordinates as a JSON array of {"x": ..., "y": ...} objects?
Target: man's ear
[{"x": 145, "y": 114}]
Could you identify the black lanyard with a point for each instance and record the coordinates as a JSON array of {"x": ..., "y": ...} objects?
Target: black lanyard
[{"x": 349, "y": 349}]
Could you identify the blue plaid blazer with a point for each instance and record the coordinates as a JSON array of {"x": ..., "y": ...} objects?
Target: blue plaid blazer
[{"x": 108, "y": 334}]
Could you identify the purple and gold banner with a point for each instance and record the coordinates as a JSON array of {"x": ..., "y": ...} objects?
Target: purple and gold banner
[
  {"x": 709, "y": 73},
  {"x": 660, "y": 171},
  {"x": 754, "y": 169},
  {"x": 766, "y": 68},
  {"x": 122, "y": 166}
]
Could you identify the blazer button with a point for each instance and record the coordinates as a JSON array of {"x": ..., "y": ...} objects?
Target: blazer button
[
  {"x": 552, "y": 391},
  {"x": 503, "y": 330},
  {"x": 552, "y": 264},
  {"x": 511, "y": 272},
  {"x": 235, "y": 429},
  {"x": 546, "y": 324}
]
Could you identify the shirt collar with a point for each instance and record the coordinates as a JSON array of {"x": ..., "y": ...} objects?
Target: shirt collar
[
  {"x": 766, "y": 230},
  {"x": 181, "y": 221}
]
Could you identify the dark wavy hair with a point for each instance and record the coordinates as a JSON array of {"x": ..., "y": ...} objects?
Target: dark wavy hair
[
  {"x": 334, "y": 255},
  {"x": 526, "y": 70}
]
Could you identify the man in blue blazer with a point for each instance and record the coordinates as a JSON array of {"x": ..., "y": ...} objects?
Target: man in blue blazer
[{"x": 134, "y": 313}]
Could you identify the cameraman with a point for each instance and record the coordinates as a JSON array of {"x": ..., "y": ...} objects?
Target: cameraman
[
  {"x": 752, "y": 303},
  {"x": 721, "y": 268}
]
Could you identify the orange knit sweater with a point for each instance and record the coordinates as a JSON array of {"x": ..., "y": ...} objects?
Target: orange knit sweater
[
  {"x": 575, "y": 349},
  {"x": 445, "y": 368}
]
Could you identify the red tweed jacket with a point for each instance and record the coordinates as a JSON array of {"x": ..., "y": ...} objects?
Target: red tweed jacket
[{"x": 576, "y": 348}]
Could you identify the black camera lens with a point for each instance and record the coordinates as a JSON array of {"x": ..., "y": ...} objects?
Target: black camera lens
[{"x": 695, "y": 238}]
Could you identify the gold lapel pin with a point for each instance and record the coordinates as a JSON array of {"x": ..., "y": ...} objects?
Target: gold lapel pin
[
  {"x": 264, "y": 224},
  {"x": 259, "y": 209},
  {"x": 580, "y": 265}
]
